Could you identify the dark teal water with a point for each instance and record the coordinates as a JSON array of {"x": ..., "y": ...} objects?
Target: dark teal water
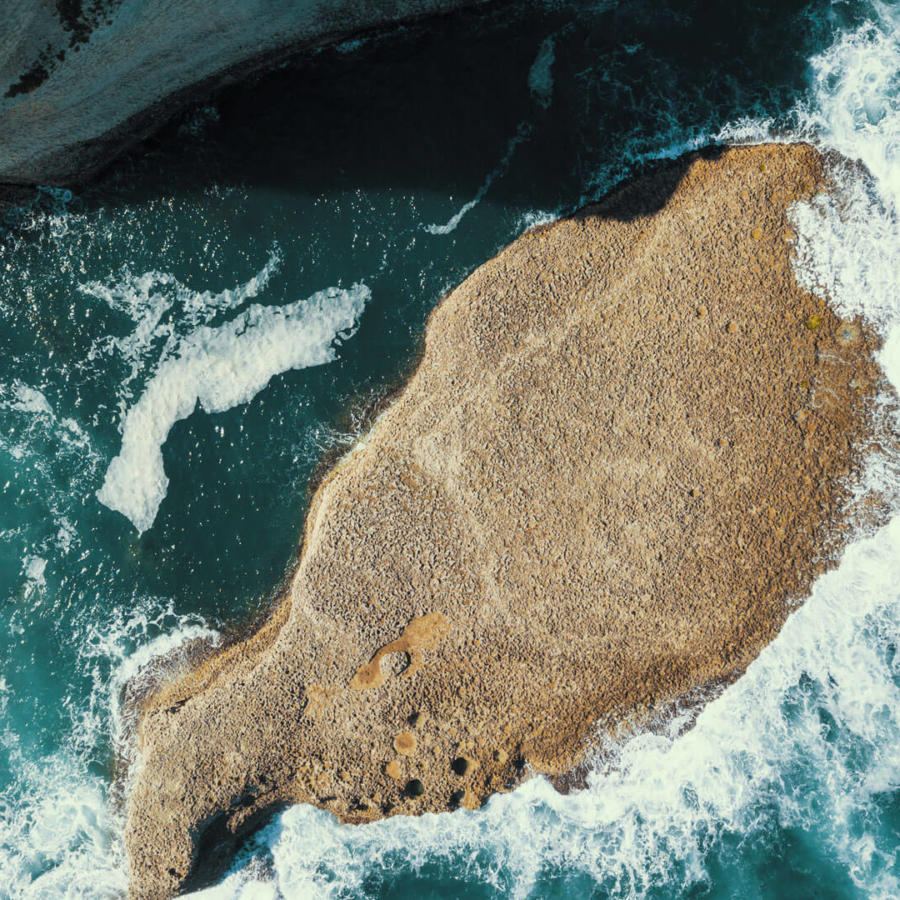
[{"x": 382, "y": 172}]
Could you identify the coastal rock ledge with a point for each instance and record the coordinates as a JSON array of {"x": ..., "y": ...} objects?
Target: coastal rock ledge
[{"x": 627, "y": 451}]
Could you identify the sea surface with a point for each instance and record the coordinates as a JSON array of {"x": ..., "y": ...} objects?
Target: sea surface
[{"x": 183, "y": 343}]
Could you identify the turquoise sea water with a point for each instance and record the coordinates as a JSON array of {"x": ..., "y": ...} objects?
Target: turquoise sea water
[{"x": 184, "y": 342}]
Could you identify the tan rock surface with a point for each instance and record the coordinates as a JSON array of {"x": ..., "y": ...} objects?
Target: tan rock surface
[{"x": 626, "y": 445}]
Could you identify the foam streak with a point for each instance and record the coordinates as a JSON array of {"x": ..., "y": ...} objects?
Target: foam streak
[{"x": 220, "y": 368}]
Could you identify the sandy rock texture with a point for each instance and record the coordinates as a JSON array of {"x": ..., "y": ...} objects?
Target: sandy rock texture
[
  {"x": 625, "y": 453},
  {"x": 80, "y": 80}
]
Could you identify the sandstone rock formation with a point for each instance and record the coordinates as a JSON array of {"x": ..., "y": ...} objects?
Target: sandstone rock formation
[
  {"x": 81, "y": 80},
  {"x": 621, "y": 458}
]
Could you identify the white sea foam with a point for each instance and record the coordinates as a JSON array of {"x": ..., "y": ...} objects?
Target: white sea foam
[
  {"x": 535, "y": 219},
  {"x": 849, "y": 242},
  {"x": 124, "y": 650},
  {"x": 59, "y": 480},
  {"x": 60, "y": 832},
  {"x": 522, "y": 134},
  {"x": 55, "y": 834},
  {"x": 29, "y": 399},
  {"x": 855, "y": 106},
  {"x": 807, "y": 738},
  {"x": 161, "y": 309},
  {"x": 220, "y": 368},
  {"x": 33, "y": 568}
]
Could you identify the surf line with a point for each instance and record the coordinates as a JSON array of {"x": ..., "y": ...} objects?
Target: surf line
[{"x": 523, "y": 133}]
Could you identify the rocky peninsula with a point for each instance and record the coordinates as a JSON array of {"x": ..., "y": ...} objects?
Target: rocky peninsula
[{"x": 626, "y": 453}]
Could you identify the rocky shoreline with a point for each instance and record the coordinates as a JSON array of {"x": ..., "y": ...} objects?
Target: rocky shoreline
[{"x": 627, "y": 450}]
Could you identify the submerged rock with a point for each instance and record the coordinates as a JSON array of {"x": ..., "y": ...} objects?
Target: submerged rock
[
  {"x": 81, "y": 81},
  {"x": 622, "y": 458}
]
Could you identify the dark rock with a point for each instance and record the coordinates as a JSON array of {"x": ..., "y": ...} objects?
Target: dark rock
[{"x": 80, "y": 82}]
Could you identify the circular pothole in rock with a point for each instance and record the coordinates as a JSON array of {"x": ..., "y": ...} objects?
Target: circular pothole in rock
[
  {"x": 460, "y": 765},
  {"x": 414, "y": 788}
]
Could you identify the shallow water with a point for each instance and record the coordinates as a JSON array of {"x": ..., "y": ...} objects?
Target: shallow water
[{"x": 182, "y": 344}]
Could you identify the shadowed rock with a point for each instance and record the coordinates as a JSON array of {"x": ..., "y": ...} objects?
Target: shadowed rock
[
  {"x": 81, "y": 81},
  {"x": 625, "y": 452}
]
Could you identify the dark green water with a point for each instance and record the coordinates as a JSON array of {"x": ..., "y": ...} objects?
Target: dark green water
[{"x": 398, "y": 165}]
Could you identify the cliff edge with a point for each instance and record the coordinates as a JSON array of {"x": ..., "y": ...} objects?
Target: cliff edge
[{"x": 626, "y": 451}]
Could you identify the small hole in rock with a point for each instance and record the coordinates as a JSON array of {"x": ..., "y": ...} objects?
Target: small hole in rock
[
  {"x": 414, "y": 788},
  {"x": 460, "y": 765}
]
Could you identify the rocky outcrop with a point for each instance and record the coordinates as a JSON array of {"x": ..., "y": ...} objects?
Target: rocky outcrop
[
  {"x": 80, "y": 80},
  {"x": 624, "y": 454}
]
